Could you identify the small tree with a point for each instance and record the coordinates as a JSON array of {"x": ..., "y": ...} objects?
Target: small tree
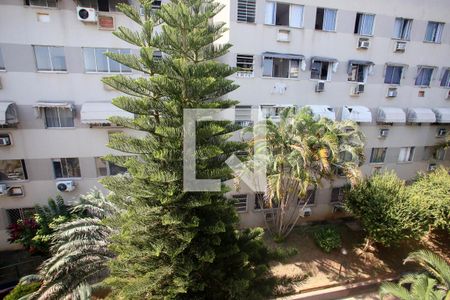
[
  {"x": 302, "y": 153},
  {"x": 381, "y": 204},
  {"x": 430, "y": 195}
]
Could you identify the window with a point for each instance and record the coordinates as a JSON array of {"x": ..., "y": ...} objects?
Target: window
[
  {"x": 393, "y": 74},
  {"x": 243, "y": 115},
  {"x": 240, "y": 202},
  {"x": 42, "y": 3},
  {"x": 261, "y": 199},
  {"x": 2, "y": 62},
  {"x": 103, "y": 5},
  {"x": 337, "y": 195},
  {"x": 13, "y": 169},
  {"x": 66, "y": 167},
  {"x": 406, "y": 154},
  {"x": 16, "y": 214},
  {"x": 50, "y": 58},
  {"x": 424, "y": 76},
  {"x": 402, "y": 29},
  {"x": 445, "y": 81},
  {"x": 95, "y": 60},
  {"x": 434, "y": 32},
  {"x": 57, "y": 117},
  {"x": 285, "y": 14},
  {"x": 326, "y": 19},
  {"x": 280, "y": 67},
  {"x": 358, "y": 72},
  {"x": 439, "y": 154},
  {"x": 364, "y": 24},
  {"x": 245, "y": 65},
  {"x": 156, "y": 4},
  {"x": 320, "y": 70},
  {"x": 246, "y": 11},
  {"x": 269, "y": 110},
  {"x": 378, "y": 155},
  {"x": 310, "y": 195},
  {"x": 107, "y": 168}
]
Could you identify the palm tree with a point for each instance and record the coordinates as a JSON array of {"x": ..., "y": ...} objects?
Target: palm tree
[
  {"x": 432, "y": 284},
  {"x": 79, "y": 252},
  {"x": 301, "y": 153}
]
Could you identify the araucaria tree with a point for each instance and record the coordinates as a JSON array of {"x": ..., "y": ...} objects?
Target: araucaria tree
[{"x": 173, "y": 244}]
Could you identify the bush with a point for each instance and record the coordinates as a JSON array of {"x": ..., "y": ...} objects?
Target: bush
[
  {"x": 327, "y": 238},
  {"x": 22, "y": 290}
]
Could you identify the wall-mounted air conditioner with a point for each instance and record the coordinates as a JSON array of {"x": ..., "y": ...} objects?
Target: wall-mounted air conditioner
[
  {"x": 363, "y": 43},
  {"x": 283, "y": 35},
  {"x": 357, "y": 89},
  {"x": 307, "y": 212},
  {"x": 86, "y": 14},
  {"x": 400, "y": 47},
  {"x": 3, "y": 189},
  {"x": 16, "y": 191},
  {"x": 5, "y": 140},
  {"x": 320, "y": 86},
  {"x": 391, "y": 92},
  {"x": 432, "y": 167},
  {"x": 384, "y": 133},
  {"x": 65, "y": 186}
]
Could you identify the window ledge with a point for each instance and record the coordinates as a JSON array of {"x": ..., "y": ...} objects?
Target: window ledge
[
  {"x": 108, "y": 73},
  {"x": 376, "y": 164},
  {"x": 400, "y": 39},
  {"x": 405, "y": 162},
  {"x": 61, "y": 128},
  {"x": 364, "y": 35},
  {"x": 431, "y": 42},
  {"x": 52, "y": 72},
  {"x": 244, "y": 22},
  {"x": 279, "y": 78},
  {"x": 12, "y": 182},
  {"x": 40, "y": 7},
  {"x": 284, "y": 26},
  {"x": 69, "y": 178},
  {"x": 2, "y": 70}
]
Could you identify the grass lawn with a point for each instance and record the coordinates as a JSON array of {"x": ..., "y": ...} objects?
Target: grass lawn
[{"x": 323, "y": 268}]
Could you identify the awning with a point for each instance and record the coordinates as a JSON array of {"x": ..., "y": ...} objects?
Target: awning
[
  {"x": 357, "y": 113},
  {"x": 420, "y": 115},
  {"x": 42, "y": 104},
  {"x": 326, "y": 59},
  {"x": 394, "y": 64},
  {"x": 283, "y": 55},
  {"x": 99, "y": 112},
  {"x": 8, "y": 113},
  {"x": 391, "y": 115},
  {"x": 442, "y": 114},
  {"x": 323, "y": 111}
]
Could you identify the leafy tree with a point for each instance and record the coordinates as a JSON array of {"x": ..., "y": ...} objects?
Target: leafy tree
[
  {"x": 171, "y": 243},
  {"x": 22, "y": 289},
  {"x": 381, "y": 204},
  {"x": 433, "y": 283},
  {"x": 430, "y": 195},
  {"x": 302, "y": 153}
]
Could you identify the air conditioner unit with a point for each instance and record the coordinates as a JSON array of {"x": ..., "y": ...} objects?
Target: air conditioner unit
[
  {"x": 65, "y": 186},
  {"x": 384, "y": 132},
  {"x": 441, "y": 132},
  {"x": 391, "y": 93},
  {"x": 5, "y": 140},
  {"x": 432, "y": 167},
  {"x": 320, "y": 86},
  {"x": 357, "y": 89},
  {"x": 16, "y": 191},
  {"x": 307, "y": 212},
  {"x": 363, "y": 43},
  {"x": 338, "y": 208},
  {"x": 283, "y": 35},
  {"x": 400, "y": 47},
  {"x": 86, "y": 14},
  {"x": 3, "y": 189}
]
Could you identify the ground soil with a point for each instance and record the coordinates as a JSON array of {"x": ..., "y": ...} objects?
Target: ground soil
[{"x": 322, "y": 269}]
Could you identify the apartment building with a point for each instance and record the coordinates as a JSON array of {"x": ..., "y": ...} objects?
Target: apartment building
[{"x": 384, "y": 64}]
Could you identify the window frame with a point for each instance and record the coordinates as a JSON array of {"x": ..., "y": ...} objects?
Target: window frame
[
  {"x": 257, "y": 207},
  {"x": 374, "y": 152},
  {"x": 421, "y": 68},
  {"x": 402, "y": 29},
  {"x": 289, "y": 67},
  {"x": 324, "y": 9},
  {"x": 409, "y": 155},
  {"x": 22, "y": 212},
  {"x": 107, "y": 166},
  {"x": 365, "y": 70},
  {"x": 59, "y": 117},
  {"x": 340, "y": 194},
  {"x": 311, "y": 202},
  {"x": 60, "y": 160},
  {"x": 2, "y": 62},
  {"x": 329, "y": 70},
  {"x": 274, "y": 14},
  {"x": 358, "y": 20},
  {"x": 28, "y": 3},
  {"x": 24, "y": 171},
  {"x": 445, "y": 80},
  {"x": 50, "y": 58},
  {"x": 243, "y": 72},
  {"x": 245, "y": 4},
  {"x": 237, "y": 198},
  {"x": 438, "y": 34},
  {"x": 391, "y": 81},
  {"x": 107, "y": 61}
]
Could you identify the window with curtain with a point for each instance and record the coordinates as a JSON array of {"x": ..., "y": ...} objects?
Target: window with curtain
[
  {"x": 246, "y": 11},
  {"x": 280, "y": 67},
  {"x": 406, "y": 154},
  {"x": 378, "y": 155},
  {"x": 2, "y": 62},
  {"x": 283, "y": 14},
  {"x": 95, "y": 60},
  {"x": 358, "y": 73},
  {"x": 445, "y": 81},
  {"x": 13, "y": 169},
  {"x": 434, "y": 32},
  {"x": 424, "y": 76},
  {"x": 402, "y": 28},
  {"x": 50, "y": 58},
  {"x": 66, "y": 167},
  {"x": 393, "y": 74},
  {"x": 326, "y": 19},
  {"x": 364, "y": 24},
  {"x": 58, "y": 117},
  {"x": 320, "y": 70}
]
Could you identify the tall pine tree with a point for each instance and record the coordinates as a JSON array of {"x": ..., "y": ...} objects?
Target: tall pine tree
[{"x": 173, "y": 244}]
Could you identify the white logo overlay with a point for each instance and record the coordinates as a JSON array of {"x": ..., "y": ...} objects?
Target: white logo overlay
[{"x": 252, "y": 173}]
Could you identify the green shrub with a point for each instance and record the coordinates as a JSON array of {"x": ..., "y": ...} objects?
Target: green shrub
[
  {"x": 282, "y": 254},
  {"x": 22, "y": 290},
  {"x": 327, "y": 238}
]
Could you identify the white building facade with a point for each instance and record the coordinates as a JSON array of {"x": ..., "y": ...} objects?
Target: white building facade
[{"x": 384, "y": 64}]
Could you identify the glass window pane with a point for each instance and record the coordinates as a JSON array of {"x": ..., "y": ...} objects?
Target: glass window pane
[
  {"x": 65, "y": 117},
  {"x": 57, "y": 168},
  {"x": 281, "y": 67},
  {"x": 71, "y": 167},
  {"x": 446, "y": 79},
  {"x": 329, "y": 20},
  {"x": 123, "y": 67},
  {"x": 51, "y": 117},
  {"x": 268, "y": 67},
  {"x": 113, "y": 65},
  {"x": 58, "y": 59},
  {"x": 102, "y": 169},
  {"x": 12, "y": 170},
  {"x": 115, "y": 169},
  {"x": 101, "y": 59},
  {"x": 294, "y": 68},
  {"x": 2, "y": 62},
  {"x": 89, "y": 59},
  {"x": 42, "y": 58}
]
